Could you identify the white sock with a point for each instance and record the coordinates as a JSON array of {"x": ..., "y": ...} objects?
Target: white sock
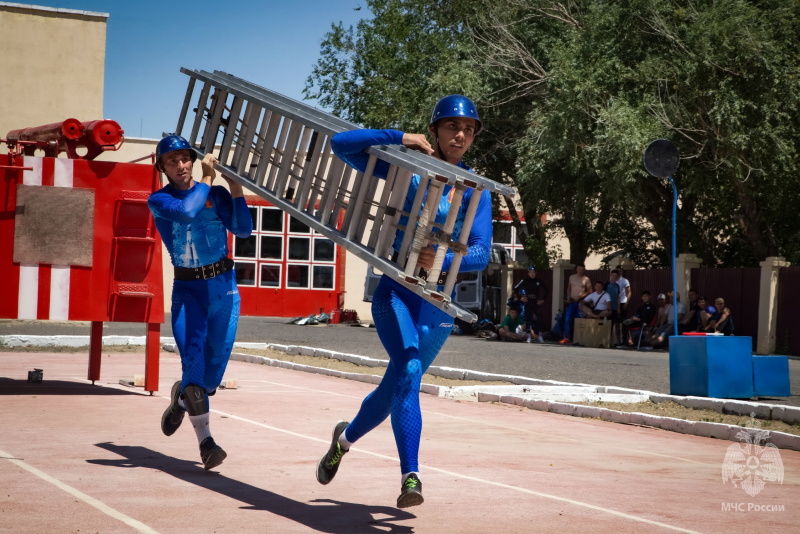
[
  {"x": 181, "y": 403},
  {"x": 200, "y": 424},
  {"x": 406, "y": 475},
  {"x": 343, "y": 441}
]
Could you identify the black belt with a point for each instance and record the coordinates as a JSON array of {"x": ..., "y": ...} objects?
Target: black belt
[{"x": 205, "y": 272}]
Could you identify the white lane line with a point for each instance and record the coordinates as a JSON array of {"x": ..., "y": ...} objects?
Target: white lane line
[
  {"x": 496, "y": 425},
  {"x": 474, "y": 479},
  {"x": 91, "y": 501}
]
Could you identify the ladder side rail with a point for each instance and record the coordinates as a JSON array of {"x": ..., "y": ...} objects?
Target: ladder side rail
[{"x": 185, "y": 107}]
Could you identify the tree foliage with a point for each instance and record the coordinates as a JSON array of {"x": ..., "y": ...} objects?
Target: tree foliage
[{"x": 573, "y": 91}]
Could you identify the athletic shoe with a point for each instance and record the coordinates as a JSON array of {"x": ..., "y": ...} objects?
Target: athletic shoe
[
  {"x": 564, "y": 341},
  {"x": 540, "y": 339},
  {"x": 410, "y": 492},
  {"x": 211, "y": 453},
  {"x": 528, "y": 338},
  {"x": 173, "y": 416},
  {"x": 329, "y": 464}
]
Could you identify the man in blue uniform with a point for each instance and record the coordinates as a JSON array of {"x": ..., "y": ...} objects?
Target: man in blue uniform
[
  {"x": 411, "y": 329},
  {"x": 193, "y": 219}
]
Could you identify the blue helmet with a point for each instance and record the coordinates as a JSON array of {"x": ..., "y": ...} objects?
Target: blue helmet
[
  {"x": 456, "y": 106},
  {"x": 172, "y": 143}
]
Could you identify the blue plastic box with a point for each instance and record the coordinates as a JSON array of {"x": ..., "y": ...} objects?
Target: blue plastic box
[
  {"x": 771, "y": 376},
  {"x": 711, "y": 366}
]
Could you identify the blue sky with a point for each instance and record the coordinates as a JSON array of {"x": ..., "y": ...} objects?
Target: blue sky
[{"x": 272, "y": 43}]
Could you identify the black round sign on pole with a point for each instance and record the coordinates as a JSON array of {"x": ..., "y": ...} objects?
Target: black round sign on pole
[{"x": 661, "y": 158}]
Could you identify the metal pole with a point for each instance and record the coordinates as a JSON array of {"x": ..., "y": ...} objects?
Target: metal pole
[{"x": 674, "y": 257}]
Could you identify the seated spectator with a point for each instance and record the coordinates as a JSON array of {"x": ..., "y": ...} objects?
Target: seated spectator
[
  {"x": 518, "y": 299},
  {"x": 705, "y": 313},
  {"x": 691, "y": 321},
  {"x": 596, "y": 305},
  {"x": 512, "y": 328},
  {"x": 643, "y": 318},
  {"x": 666, "y": 321},
  {"x": 721, "y": 321}
]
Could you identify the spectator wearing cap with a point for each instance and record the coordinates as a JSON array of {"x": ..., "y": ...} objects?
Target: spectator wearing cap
[
  {"x": 706, "y": 311},
  {"x": 512, "y": 328},
  {"x": 536, "y": 292},
  {"x": 721, "y": 321}
]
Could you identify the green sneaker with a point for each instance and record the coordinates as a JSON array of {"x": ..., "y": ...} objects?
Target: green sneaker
[
  {"x": 329, "y": 464},
  {"x": 410, "y": 492}
]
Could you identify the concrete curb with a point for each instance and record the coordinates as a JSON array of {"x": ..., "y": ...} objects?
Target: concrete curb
[{"x": 514, "y": 395}]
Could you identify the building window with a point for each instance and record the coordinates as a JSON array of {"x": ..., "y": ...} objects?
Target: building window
[
  {"x": 270, "y": 275},
  {"x": 284, "y": 252},
  {"x": 245, "y": 273}
]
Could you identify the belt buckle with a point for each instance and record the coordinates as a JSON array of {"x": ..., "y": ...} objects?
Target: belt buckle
[{"x": 208, "y": 271}]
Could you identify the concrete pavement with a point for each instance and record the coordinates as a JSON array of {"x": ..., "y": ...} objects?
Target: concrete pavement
[{"x": 77, "y": 457}]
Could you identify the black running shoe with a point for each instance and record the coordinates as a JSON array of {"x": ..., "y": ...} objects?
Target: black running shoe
[
  {"x": 173, "y": 416},
  {"x": 410, "y": 492},
  {"x": 211, "y": 453},
  {"x": 329, "y": 464}
]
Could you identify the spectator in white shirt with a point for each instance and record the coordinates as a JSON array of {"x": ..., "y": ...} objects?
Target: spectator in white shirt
[{"x": 596, "y": 305}]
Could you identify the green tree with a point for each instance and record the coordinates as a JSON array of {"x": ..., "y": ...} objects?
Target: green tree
[{"x": 573, "y": 91}]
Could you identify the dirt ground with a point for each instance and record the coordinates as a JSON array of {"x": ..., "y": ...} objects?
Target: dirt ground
[{"x": 666, "y": 409}]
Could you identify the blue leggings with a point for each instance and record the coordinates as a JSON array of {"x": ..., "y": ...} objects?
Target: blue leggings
[
  {"x": 412, "y": 332},
  {"x": 205, "y": 314}
]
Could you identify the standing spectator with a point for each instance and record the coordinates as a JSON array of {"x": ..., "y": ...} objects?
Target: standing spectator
[
  {"x": 537, "y": 292},
  {"x": 512, "y": 328},
  {"x": 598, "y": 304},
  {"x": 613, "y": 290},
  {"x": 624, "y": 293},
  {"x": 578, "y": 287},
  {"x": 641, "y": 319},
  {"x": 721, "y": 321}
]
